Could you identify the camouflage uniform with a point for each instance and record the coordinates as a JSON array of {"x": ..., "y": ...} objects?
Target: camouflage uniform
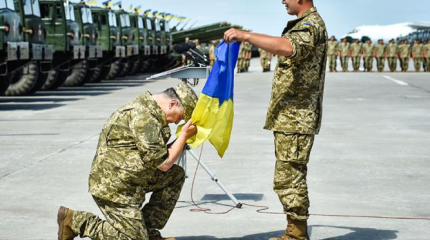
[
  {"x": 379, "y": 52},
  {"x": 356, "y": 50},
  {"x": 212, "y": 56},
  {"x": 417, "y": 56},
  {"x": 404, "y": 54},
  {"x": 240, "y": 58},
  {"x": 332, "y": 54},
  {"x": 265, "y": 60},
  {"x": 391, "y": 53},
  {"x": 426, "y": 57},
  {"x": 248, "y": 56},
  {"x": 344, "y": 55},
  {"x": 131, "y": 146},
  {"x": 368, "y": 56},
  {"x": 295, "y": 108}
]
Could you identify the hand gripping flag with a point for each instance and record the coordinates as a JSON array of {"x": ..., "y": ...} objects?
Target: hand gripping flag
[{"x": 214, "y": 113}]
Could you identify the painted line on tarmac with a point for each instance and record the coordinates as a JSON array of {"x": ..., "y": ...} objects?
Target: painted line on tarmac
[{"x": 396, "y": 81}]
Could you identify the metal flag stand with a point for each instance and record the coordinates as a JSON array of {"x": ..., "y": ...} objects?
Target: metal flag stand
[{"x": 184, "y": 73}]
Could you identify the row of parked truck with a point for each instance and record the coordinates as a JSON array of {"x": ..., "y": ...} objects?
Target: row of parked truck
[{"x": 45, "y": 44}]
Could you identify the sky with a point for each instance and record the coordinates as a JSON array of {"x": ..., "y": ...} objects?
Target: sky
[{"x": 270, "y": 16}]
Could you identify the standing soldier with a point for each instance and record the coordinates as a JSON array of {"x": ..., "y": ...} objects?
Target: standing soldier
[
  {"x": 355, "y": 53},
  {"x": 212, "y": 56},
  {"x": 391, "y": 54},
  {"x": 426, "y": 56},
  {"x": 248, "y": 55},
  {"x": 295, "y": 109},
  {"x": 344, "y": 54},
  {"x": 240, "y": 58},
  {"x": 404, "y": 54},
  {"x": 368, "y": 55},
  {"x": 379, "y": 53},
  {"x": 263, "y": 59},
  {"x": 417, "y": 55},
  {"x": 333, "y": 45}
]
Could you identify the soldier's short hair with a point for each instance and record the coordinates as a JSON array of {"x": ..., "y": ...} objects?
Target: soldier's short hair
[{"x": 171, "y": 94}]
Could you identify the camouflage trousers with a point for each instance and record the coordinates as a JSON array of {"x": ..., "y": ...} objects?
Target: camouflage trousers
[
  {"x": 426, "y": 64},
  {"x": 247, "y": 63},
  {"x": 392, "y": 63},
  {"x": 130, "y": 222},
  {"x": 380, "y": 63},
  {"x": 292, "y": 155},
  {"x": 265, "y": 63},
  {"x": 368, "y": 63},
  {"x": 404, "y": 63},
  {"x": 356, "y": 62},
  {"x": 240, "y": 64},
  {"x": 332, "y": 64},
  {"x": 344, "y": 62},
  {"x": 417, "y": 64}
]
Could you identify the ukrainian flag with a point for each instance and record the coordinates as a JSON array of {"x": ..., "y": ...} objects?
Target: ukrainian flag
[
  {"x": 91, "y": 2},
  {"x": 107, "y": 3},
  {"x": 214, "y": 113}
]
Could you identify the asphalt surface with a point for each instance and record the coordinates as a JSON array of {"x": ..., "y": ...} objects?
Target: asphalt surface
[{"x": 369, "y": 167}]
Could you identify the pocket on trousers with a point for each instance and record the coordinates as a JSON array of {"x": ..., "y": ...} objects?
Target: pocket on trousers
[{"x": 293, "y": 147}]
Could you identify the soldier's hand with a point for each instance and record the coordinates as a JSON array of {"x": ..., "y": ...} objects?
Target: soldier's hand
[
  {"x": 189, "y": 130},
  {"x": 234, "y": 34}
]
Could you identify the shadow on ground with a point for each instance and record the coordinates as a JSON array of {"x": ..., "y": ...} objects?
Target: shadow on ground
[{"x": 355, "y": 234}]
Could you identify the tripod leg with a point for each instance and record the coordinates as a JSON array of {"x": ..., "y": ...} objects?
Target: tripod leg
[{"x": 216, "y": 180}]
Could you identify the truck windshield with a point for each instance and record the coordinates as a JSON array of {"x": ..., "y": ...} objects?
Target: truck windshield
[
  {"x": 157, "y": 26},
  {"x": 36, "y": 8},
  {"x": 7, "y": 4},
  {"x": 70, "y": 14},
  {"x": 148, "y": 24},
  {"x": 125, "y": 20},
  {"x": 166, "y": 27},
  {"x": 140, "y": 22},
  {"x": 112, "y": 19},
  {"x": 28, "y": 10},
  {"x": 86, "y": 15}
]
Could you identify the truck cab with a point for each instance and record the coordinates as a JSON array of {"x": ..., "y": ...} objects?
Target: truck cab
[
  {"x": 167, "y": 35},
  {"x": 14, "y": 51},
  {"x": 127, "y": 33}
]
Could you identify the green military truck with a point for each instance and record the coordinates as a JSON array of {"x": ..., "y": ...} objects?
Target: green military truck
[
  {"x": 83, "y": 71},
  {"x": 26, "y": 80},
  {"x": 14, "y": 52},
  {"x": 64, "y": 33},
  {"x": 110, "y": 40},
  {"x": 142, "y": 40}
]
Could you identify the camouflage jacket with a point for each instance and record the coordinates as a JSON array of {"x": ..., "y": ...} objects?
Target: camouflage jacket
[
  {"x": 344, "y": 49},
  {"x": 356, "y": 49},
  {"x": 379, "y": 50},
  {"x": 131, "y": 146},
  {"x": 263, "y": 53},
  {"x": 416, "y": 50},
  {"x": 332, "y": 48},
  {"x": 298, "y": 84},
  {"x": 391, "y": 50},
  {"x": 368, "y": 50},
  {"x": 426, "y": 50},
  {"x": 404, "y": 50}
]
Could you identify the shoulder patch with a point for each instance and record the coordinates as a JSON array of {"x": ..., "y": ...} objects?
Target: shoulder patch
[{"x": 307, "y": 24}]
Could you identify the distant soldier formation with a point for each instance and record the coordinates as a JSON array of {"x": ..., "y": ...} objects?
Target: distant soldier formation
[{"x": 392, "y": 53}]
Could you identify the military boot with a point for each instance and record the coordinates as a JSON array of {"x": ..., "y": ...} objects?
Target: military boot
[
  {"x": 64, "y": 220},
  {"x": 296, "y": 230}
]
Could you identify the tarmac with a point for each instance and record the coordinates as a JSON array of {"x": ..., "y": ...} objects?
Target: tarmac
[{"x": 368, "y": 175}]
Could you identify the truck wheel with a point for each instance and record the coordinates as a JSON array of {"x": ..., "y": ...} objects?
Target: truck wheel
[
  {"x": 77, "y": 76},
  {"x": 145, "y": 65},
  {"x": 59, "y": 79},
  {"x": 4, "y": 83},
  {"x": 113, "y": 70},
  {"x": 95, "y": 78},
  {"x": 51, "y": 78},
  {"x": 24, "y": 81},
  {"x": 125, "y": 69},
  {"x": 136, "y": 67}
]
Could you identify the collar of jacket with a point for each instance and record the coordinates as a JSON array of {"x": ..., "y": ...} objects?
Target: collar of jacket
[
  {"x": 292, "y": 23},
  {"x": 147, "y": 101}
]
